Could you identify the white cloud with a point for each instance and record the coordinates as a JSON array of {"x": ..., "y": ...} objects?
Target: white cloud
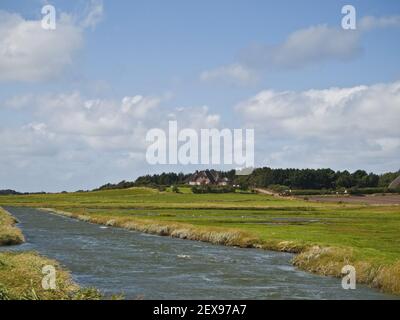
[
  {"x": 195, "y": 118},
  {"x": 311, "y": 45},
  {"x": 139, "y": 106},
  {"x": 337, "y": 127},
  {"x": 314, "y": 44},
  {"x": 94, "y": 14},
  {"x": 371, "y": 22},
  {"x": 235, "y": 74},
  {"x": 69, "y": 139},
  {"x": 31, "y": 140},
  {"x": 317, "y": 44},
  {"x": 97, "y": 119},
  {"x": 30, "y": 53}
]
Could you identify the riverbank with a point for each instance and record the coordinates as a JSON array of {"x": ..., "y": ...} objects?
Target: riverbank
[
  {"x": 325, "y": 236},
  {"x": 9, "y": 233},
  {"x": 21, "y": 272},
  {"x": 327, "y": 261},
  {"x": 150, "y": 267}
]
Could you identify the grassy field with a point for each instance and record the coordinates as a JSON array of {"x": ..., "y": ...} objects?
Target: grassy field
[{"x": 326, "y": 236}]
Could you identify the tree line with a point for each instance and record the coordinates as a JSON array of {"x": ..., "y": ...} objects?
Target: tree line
[
  {"x": 302, "y": 179},
  {"x": 317, "y": 179}
]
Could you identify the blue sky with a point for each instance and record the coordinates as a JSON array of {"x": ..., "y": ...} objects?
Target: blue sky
[{"x": 210, "y": 58}]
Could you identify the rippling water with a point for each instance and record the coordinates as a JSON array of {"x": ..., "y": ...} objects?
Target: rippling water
[{"x": 152, "y": 267}]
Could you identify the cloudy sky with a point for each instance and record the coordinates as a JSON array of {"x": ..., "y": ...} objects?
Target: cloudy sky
[{"x": 76, "y": 102}]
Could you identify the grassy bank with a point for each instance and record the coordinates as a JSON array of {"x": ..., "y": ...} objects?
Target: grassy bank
[
  {"x": 326, "y": 236},
  {"x": 21, "y": 279},
  {"x": 9, "y": 234},
  {"x": 21, "y": 272}
]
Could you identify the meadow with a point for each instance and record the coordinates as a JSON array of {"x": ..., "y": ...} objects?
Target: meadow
[{"x": 325, "y": 236}]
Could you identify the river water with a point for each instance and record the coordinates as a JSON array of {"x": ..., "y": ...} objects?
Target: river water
[{"x": 152, "y": 267}]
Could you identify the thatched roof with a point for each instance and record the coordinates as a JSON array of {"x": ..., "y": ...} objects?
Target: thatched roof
[
  {"x": 211, "y": 175},
  {"x": 395, "y": 184},
  {"x": 204, "y": 174}
]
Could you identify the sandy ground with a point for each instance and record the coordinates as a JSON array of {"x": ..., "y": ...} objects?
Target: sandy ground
[{"x": 388, "y": 199}]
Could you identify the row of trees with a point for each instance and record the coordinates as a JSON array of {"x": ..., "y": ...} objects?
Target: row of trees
[
  {"x": 265, "y": 177},
  {"x": 156, "y": 180},
  {"x": 8, "y": 192},
  {"x": 164, "y": 179},
  {"x": 316, "y": 178}
]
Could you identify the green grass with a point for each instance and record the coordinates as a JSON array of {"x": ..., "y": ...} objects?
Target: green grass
[
  {"x": 21, "y": 272},
  {"x": 21, "y": 279},
  {"x": 366, "y": 235},
  {"x": 9, "y": 234}
]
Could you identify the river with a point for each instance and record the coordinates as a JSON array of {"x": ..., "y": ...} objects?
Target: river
[{"x": 153, "y": 267}]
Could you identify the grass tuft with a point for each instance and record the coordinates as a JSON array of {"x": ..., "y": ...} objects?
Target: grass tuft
[
  {"x": 9, "y": 234},
  {"x": 21, "y": 279}
]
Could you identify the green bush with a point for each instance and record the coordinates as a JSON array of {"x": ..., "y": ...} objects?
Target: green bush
[
  {"x": 278, "y": 188},
  {"x": 361, "y": 191},
  {"x": 212, "y": 189}
]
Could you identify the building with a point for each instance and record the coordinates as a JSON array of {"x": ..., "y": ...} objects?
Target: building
[
  {"x": 395, "y": 184},
  {"x": 207, "y": 177}
]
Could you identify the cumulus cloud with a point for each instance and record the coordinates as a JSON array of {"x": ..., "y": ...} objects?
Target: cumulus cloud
[
  {"x": 30, "y": 53},
  {"x": 30, "y": 140},
  {"x": 101, "y": 123},
  {"x": 236, "y": 74},
  {"x": 338, "y": 127},
  {"x": 305, "y": 46},
  {"x": 70, "y": 121},
  {"x": 370, "y": 22},
  {"x": 139, "y": 106},
  {"x": 76, "y": 133},
  {"x": 314, "y": 44}
]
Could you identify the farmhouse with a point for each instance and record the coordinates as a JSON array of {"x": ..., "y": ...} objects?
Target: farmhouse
[
  {"x": 395, "y": 184},
  {"x": 207, "y": 177}
]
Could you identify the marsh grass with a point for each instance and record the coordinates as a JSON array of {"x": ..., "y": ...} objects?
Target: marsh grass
[
  {"x": 9, "y": 234},
  {"x": 326, "y": 236},
  {"x": 329, "y": 261},
  {"x": 21, "y": 279},
  {"x": 21, "y": 272}
]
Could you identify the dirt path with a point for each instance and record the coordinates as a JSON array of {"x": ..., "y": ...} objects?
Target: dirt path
[{"x": 266, "y": 191}]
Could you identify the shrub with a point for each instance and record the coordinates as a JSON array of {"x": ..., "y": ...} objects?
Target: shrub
[
  {"x": 212, "y": 189},
  {"x": 278, "y": 188}
]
